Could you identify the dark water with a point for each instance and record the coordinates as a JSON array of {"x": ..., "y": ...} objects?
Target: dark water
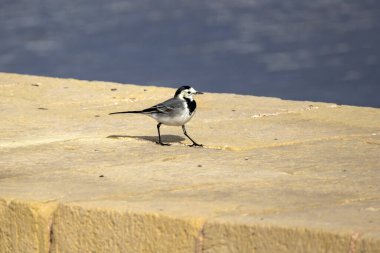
[{"x": 323, "y": 50}]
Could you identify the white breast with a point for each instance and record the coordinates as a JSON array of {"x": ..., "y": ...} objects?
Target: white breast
[{"x": 177, "y": 120}]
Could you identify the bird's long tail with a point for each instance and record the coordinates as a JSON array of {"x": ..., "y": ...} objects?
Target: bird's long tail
[{"x": 125, "y": 112}]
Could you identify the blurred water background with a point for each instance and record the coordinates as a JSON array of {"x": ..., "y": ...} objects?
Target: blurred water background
[{"x": 323, "y": 50}]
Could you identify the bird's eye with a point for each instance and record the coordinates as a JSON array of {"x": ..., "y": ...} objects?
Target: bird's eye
[{"x": 189, "y": 92}]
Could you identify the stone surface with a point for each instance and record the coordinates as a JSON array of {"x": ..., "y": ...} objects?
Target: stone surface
[{"x": 274, "y": 175}]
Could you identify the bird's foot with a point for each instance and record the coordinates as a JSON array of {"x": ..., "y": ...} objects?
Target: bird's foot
[
  {"x": 196, "y": 145},
  {"x": 163, "y": 144}
]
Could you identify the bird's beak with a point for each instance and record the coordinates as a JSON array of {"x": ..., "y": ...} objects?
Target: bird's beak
[{"x": 198, "y": 92}]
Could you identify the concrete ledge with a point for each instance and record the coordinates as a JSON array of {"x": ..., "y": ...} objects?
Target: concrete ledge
[
  {"x": 44, "y": 227},
  {"x": 274, "y": 176},
  {"x": 116, "y": 229},
  {"x": 25, "y": 226}
]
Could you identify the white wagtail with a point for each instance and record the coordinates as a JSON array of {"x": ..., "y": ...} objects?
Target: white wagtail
[{"x": 176, "y": 111}]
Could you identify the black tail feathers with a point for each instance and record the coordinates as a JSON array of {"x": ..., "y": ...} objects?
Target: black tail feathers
[{"x": 125, "y": 112}]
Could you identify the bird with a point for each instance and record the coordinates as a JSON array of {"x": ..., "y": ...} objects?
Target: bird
[{"x": 176, "y": 111}]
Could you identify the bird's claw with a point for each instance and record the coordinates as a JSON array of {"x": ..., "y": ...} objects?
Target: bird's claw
[
  {"x": 163, "y": 144},
  {"x": 196, "y": 145}
]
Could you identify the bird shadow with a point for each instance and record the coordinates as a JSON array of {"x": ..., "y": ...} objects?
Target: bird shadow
[{"x": 169, "y": 138}]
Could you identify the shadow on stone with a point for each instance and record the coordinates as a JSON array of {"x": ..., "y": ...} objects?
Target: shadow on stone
[{"x": 165, "y": 138}]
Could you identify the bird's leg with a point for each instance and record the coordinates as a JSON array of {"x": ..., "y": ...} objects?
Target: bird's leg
[
  {"x": 159, "y": 136},
  {"x": 194, "y": 143}
]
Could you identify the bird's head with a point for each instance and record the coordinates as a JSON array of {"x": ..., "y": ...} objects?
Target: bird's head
[{"x": 186, "y": 92}]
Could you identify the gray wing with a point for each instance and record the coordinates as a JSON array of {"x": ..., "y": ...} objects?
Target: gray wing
[{"x": 169, "y": 106}]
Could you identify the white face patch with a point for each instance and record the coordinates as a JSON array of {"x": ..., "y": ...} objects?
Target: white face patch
[{"x": 188, "y": 93}]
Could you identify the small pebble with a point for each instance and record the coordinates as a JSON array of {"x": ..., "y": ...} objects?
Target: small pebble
[
  {"x": 199, "y": 165},
  {"x": 113, "y": 89},
  {"x": 101, "y": 176},
  {"x": 42, "y": 108}
]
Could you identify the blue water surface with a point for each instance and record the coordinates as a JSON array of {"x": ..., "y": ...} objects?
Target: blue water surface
[{"x": 323, "y": 50}]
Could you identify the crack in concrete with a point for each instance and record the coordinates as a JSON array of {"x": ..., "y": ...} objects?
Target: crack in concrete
[
  {"x": 51, "y": 237},
  {"x": 353, "y": 243}
]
